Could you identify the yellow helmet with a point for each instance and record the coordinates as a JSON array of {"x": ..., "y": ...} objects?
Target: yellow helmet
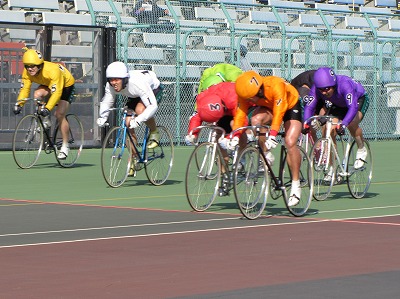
[
  {"x": 248, "y": 84},
  {"x": 32, "y": 57}
]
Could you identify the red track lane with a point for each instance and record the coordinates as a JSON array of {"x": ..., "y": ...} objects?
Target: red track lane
[{"x": 200, "y": 262}]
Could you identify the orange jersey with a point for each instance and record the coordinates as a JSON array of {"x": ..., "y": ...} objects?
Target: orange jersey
[{"x": 279, "y": 96}]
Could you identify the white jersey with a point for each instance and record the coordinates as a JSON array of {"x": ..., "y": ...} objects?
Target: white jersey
[{"x": 140, "y": 85}]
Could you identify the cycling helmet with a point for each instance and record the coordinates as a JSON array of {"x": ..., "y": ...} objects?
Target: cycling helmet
[
  {"x": 324, "y": 77},
  {"x": 210, "y": 109},
  {"x": 212, "y": 80},
  {"x": 248, "y": 84},
  {"x": 117, "y": 69},
  {"x": 32, "y": 57}
]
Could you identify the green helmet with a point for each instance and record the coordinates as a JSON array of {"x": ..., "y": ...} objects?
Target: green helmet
[{"x": 211, "y": 80}]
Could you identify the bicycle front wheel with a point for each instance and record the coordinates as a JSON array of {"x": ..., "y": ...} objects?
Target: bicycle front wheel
[
  {"x": 306, "y": 184},
  {"x": 323, "y": 165},
  {"x": 203, "y": 175},
  {"x": 360, "y": 171},
  {"x": 75, "y": 141},
  {"x": 27, "y": 141},
  {"x": 251, "y": 183},
  {"x": 116, "y": 156},
  {"x": 159, "y": 160}
]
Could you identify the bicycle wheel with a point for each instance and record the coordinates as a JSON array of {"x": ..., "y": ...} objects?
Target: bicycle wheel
[
  {"x": 159, "y": 160},
  {"x": 359, "y": 179},
  {"x": 203, "y": 175},
  {"x": 306, "y": 184},
  {"x": 75, "y": 141},
  {"x": 324, "y": 174},
  {"x": 116, "y": 157},
  {"x": 251, "y": 183},
  {"x": 27, "y": 141}
]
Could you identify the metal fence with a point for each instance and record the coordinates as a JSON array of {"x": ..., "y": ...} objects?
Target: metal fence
[{"x": 185, "y": 37}]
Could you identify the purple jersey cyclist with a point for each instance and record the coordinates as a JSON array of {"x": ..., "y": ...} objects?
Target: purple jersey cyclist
[{"x": 347, "y": 100}]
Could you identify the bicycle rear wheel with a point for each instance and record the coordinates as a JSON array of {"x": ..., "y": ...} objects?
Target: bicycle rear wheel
[
  {"x": 251, "y": 183},
  {"x": 116, "y": 156},
  {"x": 359, "y": 179},
  {"x": 324, "y": 174},
  {"x": 75, "y": 141},
  {"x": 306, "y": 184},
  {"x": 203, "y": 175},
  {"x": 159, "y": 160},
  {"x": 27, "y": 141}
]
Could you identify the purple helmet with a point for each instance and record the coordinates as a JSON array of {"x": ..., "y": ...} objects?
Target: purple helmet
[{"x": 324, "y": 77}]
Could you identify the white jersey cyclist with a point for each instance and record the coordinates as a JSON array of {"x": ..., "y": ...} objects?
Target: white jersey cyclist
[{"x": 140, "y": 84}]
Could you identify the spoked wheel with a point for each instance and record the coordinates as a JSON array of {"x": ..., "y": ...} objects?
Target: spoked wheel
[
  {"x": 306, "y": 184},
  {"x": 159, "y": 160},
  {"x": 203, "y": 175},
  {"x": 116, "y": 157},
  {"x": 251, "y": 183},
  {"x": 27, "y": 141},
  {"x": 360, "y": 171},
  {"x": 75, "y": 141},
  {"x": 323, "y": 169}
]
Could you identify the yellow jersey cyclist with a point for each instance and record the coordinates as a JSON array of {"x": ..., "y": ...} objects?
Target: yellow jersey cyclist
[{"x": 56, "y": 87}]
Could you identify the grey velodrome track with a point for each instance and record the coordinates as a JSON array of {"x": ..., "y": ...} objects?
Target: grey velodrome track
[{"x": 29, "y": 221}]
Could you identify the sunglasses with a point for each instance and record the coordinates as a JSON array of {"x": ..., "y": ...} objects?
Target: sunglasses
[
  {"x": 325, "y": 88},
  {"x": 31, "y": 66}
]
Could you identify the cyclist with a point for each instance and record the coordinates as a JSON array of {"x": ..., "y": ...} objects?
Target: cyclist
[
  {"x": 217, "y": 104},
  {"x": 56, "y": 86},
  {"x": 276, "y": 101},
  {"x": 348, "y": 101},
  {"x": 221, "y": 72},
  {"x": 143, "y": 90}
]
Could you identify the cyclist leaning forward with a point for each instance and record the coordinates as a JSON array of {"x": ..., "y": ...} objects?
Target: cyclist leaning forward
[
  {"x": 56, "y": 85},
  {"x": 276, "y": 101}
]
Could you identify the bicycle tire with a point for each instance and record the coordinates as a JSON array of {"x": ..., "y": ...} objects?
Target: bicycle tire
[
  {"x": 322, "y": 184},
  {"x": 306, "y": 184},
  {"x": 116, "y": 157},
  {"x": 203, "y": 176},
  {"x": 159, "y": 160},
  {"x": 359, "y": 180},
  {"x": 27, "y": 141},
  {"x": 75, "y": 141},
  {"x": 251, "y": 186}
]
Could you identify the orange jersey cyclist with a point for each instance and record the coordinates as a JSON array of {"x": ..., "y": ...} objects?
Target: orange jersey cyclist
[
  {"x": 56, "y": 86},
  {"x": 276, "y": 101}
]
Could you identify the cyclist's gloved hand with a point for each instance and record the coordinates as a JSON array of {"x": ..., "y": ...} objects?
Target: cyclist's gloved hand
[
  {"x": 189, "y": 139},
  {"x": 134, "y": 123},
  {"x": 101, "y": 122},
  {"x": 223, "y": 142},
  {"x": 306, "y": 129},
  {"x": 271, "y": 142},
  {"x": 315, "y": 124},
  {"x": 340, "y": 129},
  {"x": 17, "y": 108},
  {"x": 231, "y": 145},
  {"x": 44, "y": 112}
]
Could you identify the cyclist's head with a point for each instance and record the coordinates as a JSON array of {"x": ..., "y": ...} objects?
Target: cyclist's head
[
  {"x": 324, "y": 77},
  {"x": 32, "y": 58},
  {"x": 210, "y": 109},
  {"x": 248, "y": 84},
  {"x": 118, "y": 70},
  {"x": 212, "y": 80}
]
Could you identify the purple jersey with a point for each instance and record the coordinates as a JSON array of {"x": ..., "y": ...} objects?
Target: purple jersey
[{"x": 346, "y": 95}]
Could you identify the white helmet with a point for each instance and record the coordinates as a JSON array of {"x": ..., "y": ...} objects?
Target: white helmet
[{"x": 117, "y": 69}]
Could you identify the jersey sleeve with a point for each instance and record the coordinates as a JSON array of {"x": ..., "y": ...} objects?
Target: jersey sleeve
[
  {"x": 280, "y": 105},
  {"x": 56, "y": 86},
  {"x": 25, "y": 87},
  {"x": 349, "y": 93},
  {"x": 310, "y": 103}
]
